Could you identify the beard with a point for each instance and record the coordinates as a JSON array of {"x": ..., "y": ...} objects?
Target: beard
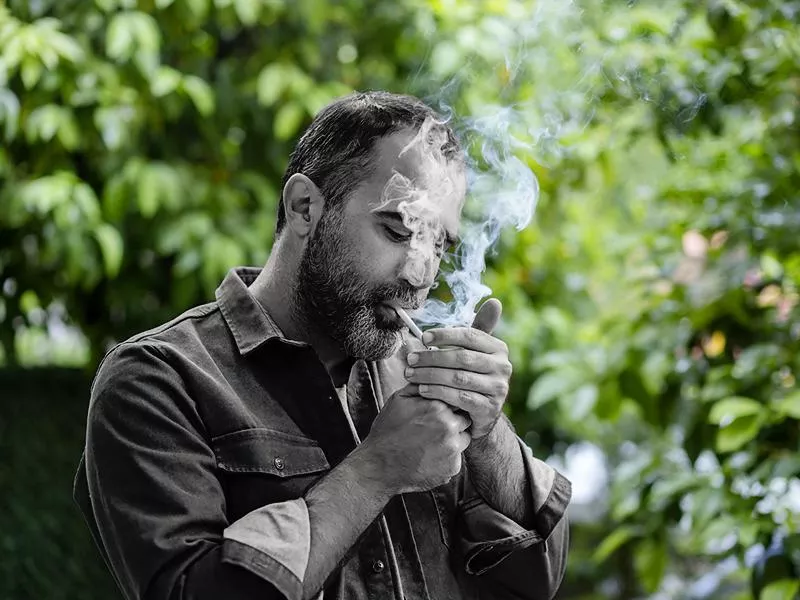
[{"x": 334, "y": 298}]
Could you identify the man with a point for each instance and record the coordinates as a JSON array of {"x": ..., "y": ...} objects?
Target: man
[{"x": 291, "y": 440}]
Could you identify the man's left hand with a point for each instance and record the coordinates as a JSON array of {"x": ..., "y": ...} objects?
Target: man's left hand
[{"x": 472, "y": 374}]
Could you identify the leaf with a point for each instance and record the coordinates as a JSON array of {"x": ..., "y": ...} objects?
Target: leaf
[
  {"x": 199, "y": 8},
  {"x": 114, "y": 196},
  {"x": 248, "y": 11},
  {"x": 650, "y": 562},
  {"x": 200, "y": 93},
  {"x": 728, "y": 409},
  {"x": 149, "y": 193},
  {"x": 272, "y": 81},
  {"x": 654, "y": 370},
  {"x": 784, "y": 589},
  {"x": 288, "y": 120},
  {"x": 111, "y": 248},
  {"x": 31, "y": 71},
  {"x": 84, "y": 198},
  {"x": 119, "y": 38},
  {"x": 65, "y": 46},
  {"x": 165, "y": 81},
  {"x": 735, "y": 435},
  {"x": 134, "y": 35},
  {"x": 788, "y": 406},
  {"x": 553, "y": 384},
  {"x": 579, "y": 404},
  {"x": 446, "y": 58},
  {"x": 43, "y": 123},
  {"x": 68, "y": 132},
  {"x": 667, "y": 488},
  {"x": 613, "y": 541},
  {"x": 9, "y": 112}
]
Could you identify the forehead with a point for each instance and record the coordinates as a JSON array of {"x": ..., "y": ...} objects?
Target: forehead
[{"x": 413, "y": 175}]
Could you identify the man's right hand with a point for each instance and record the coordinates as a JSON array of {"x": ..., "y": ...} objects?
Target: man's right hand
[{"x": 415, "y": 443}]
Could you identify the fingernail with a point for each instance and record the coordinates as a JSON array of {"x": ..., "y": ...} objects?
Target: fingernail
[
  {"x": 427, "y": 337},
  {"x": 409, "y": 371},
  {"x": 413, "y": 358}
]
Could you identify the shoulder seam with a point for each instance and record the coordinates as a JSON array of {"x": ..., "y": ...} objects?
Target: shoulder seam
[
  {"x": 144, "y": 338},
  {"x": 211, "y": 307}
]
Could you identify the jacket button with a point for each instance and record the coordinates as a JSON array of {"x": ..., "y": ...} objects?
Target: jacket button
[
  {"x": 378, "y": 566},
  {"x": 279, "y": 464}
]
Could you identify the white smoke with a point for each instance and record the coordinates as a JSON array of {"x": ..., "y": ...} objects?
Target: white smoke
[
  {"x": 503, "y": 139},
  {"x": 503, "y": 192}
]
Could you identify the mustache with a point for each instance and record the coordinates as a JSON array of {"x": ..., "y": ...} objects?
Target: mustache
[
  {"x": 408, "y": 302},
  {"x": 408, "y": 299}
]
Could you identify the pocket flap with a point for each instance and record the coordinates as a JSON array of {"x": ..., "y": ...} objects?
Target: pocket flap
[{"x": 268, "y": 451}]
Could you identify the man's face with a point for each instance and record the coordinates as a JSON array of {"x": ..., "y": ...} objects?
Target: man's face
[{"x": 382, "y": 246}]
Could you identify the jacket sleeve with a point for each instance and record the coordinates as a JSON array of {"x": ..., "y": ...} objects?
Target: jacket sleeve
[
  {"x": 148, "y": 488},
  {"x": 509, "y": 560}
]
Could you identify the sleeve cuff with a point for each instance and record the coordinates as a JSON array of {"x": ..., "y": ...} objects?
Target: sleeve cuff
[
  {"x": 272, "y": 542},
  {"x": 488, "y": 536}
]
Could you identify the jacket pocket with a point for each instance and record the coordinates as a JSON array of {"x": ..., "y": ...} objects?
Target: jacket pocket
[
  {"x": 263, "y": 466},
  {"x": 268, "y": 451}
]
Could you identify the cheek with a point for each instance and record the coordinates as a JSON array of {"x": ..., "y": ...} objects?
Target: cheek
[{"x": 379, "y": 259}]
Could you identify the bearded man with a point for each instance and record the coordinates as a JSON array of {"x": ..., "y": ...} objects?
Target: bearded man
[{"x": 291, "y": 439}]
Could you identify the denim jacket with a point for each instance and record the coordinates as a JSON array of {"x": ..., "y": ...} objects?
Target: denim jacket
[{"x": 202, "y": 437}]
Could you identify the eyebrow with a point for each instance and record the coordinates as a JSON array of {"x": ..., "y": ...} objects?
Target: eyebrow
[{"x": 391, "y": 215}]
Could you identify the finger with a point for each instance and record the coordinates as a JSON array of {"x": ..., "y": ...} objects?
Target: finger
[
  {"x": 455, "y": 378},
  {"x": 464, "y": 337},
  {"x": 488, "y": 315},
  {"x": 464, "y": 439},
  {"x": 455, "y": 358},
  {"x": 458, "y": 421},
  {"x": 464, "y": 400}
]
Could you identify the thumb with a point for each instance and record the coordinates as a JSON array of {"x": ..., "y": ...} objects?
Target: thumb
[{"x": 488, "y": 315}]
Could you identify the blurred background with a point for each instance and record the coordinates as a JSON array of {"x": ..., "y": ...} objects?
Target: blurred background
[{"x": 651, "y": 307}]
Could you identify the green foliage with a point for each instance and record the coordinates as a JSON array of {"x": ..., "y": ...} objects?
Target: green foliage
[
  {"x": 144, "y": 142},
  {"x": 651, "y": 309}
]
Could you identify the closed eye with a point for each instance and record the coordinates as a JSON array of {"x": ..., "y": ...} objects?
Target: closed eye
[{"x": 397, "y": 236}]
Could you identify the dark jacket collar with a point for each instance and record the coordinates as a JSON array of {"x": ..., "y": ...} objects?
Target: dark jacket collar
[{"x": 248, "y": 321}]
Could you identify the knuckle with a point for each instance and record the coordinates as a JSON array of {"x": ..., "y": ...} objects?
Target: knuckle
[
  {"x": 431, "y": 391},
  {"x": 464, "y": 395},
  {"x": 461, "y": 378},
  {"x": 501, "y": 388},
  {"x": 453, "y": 445},
  {"x": 439, "y": 408},
  {"x": 465, "y": 358},
  {"x": 508, "y": 368}
]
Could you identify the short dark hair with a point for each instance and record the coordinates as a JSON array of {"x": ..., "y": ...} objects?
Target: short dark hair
[{"x": 335, "y": 152}]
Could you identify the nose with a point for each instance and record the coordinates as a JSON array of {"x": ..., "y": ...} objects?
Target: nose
[{"x": 419, "y": 268}]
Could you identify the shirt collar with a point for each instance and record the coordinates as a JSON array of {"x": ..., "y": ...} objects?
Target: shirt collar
[{"x": 247, "y": 319}]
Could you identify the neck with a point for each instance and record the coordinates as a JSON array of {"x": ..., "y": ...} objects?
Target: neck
[{"x": 273, "y": 288}]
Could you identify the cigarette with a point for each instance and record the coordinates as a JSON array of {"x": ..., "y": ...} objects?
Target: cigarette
[{"x": 412, "y": 327}]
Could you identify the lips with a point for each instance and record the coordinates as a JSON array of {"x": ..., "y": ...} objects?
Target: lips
[{"x": 388, "y": 313}]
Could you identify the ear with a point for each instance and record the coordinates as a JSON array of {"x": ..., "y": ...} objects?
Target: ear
[
  {"x": 488, "y": 315},
  {"x": 302, "y": 203}
]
